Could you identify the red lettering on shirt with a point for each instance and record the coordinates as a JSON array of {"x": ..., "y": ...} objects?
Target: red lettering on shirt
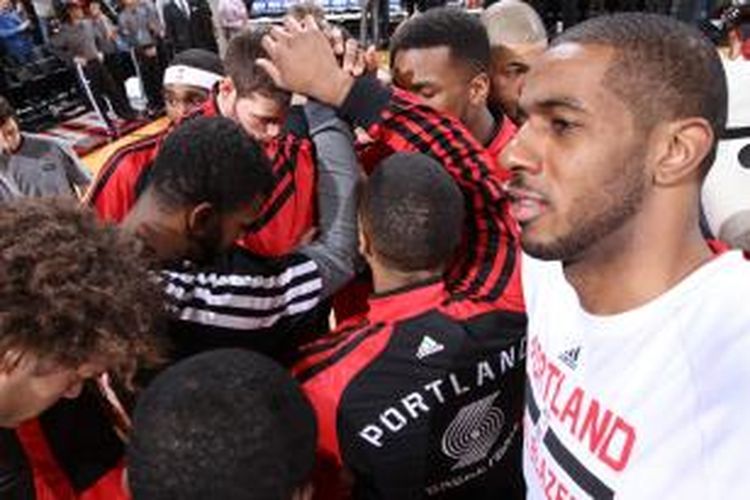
[{"x": 609, "y": 437}]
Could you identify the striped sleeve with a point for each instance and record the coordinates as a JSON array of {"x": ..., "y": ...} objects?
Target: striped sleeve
[
  {"x": 487, "y": 266},
  {"x": 242, "y": 295}
]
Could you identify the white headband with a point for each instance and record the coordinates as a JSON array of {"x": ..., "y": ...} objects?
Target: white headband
[{"x": 187, "y": 75}]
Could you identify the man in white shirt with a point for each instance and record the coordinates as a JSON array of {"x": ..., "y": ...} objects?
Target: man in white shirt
[{"x": 639, "y": 331}]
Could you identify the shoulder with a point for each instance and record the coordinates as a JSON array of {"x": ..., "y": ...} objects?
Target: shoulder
[
  {"x": 138, "y": 147},
  {"x": 330, "y": 364},
  {"x": 127, "y": 162},
  {"x": 266, "y": 265},
  {"x": 38, "y": 146},
  {"x": 243, "y": 269},
  {"x": 732, "y": 269},
  {"x": 296, "y": 122}
]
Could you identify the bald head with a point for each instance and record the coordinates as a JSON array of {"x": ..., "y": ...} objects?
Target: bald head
[
  {"x": 517, "y": 38},
  {"x": 512, "y": 22}
]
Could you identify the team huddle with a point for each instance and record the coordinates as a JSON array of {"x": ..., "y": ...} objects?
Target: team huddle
[{"x": 481, "y": 277}]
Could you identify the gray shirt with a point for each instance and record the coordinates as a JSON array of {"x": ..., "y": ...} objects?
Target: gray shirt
[
  {"x": 8, "y": 189},
  {"x": 140, "y": 25},
  {"x": 41, "y": 167},
  {"x": 102, "y": 29},
  {"x": 335, "y": 249},
  {"x": 76, "y": 39}
]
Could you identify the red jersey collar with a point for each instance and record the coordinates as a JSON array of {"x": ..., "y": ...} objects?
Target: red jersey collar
[
  {"x": 211, "y": 106},
  {"x": 407, "y": 301}
]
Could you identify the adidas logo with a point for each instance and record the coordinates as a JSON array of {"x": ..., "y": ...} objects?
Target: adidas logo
[
  {"x": 570, "y": 357},
  {"x": 428, "y": 347}
]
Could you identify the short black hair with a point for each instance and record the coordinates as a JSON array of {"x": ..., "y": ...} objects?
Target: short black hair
[
  {"x": 6, "y": 110},
  {"x": 413, "y": 213},
  {"x": 226, "y": 424},
  {"x": 663, "y": 69},
  {"x": 211, "y": 160},
  {"x": 249, "y": 78},
  {"x": 461, "y": 32}
]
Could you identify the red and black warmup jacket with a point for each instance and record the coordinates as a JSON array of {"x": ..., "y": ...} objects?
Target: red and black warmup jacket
[
  {"x": 285, "y": 218},
  {"x": 397, "y": 121},
  {"x": 424, "y": 396},
  {"x": 352, "y": 301},
  {"x": 117, "y": 185},
  {"x": 71, "y": 452}
]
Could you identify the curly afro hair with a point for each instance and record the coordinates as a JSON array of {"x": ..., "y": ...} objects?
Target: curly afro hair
[{"x": 73, "y": 289}]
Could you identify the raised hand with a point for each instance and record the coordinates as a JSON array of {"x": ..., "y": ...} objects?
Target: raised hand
[{"x": 302, "y": 60}]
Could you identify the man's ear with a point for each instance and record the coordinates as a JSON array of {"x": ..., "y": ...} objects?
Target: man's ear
[
  {"x": 681, "y": 148},
  {"x": 226, "y": 88},
  {"x": 200, "y": 219},
  {"x": 479, "y": 89},
  {"x": 10, "y": 360},
  {"x": 365, "y": 245}
]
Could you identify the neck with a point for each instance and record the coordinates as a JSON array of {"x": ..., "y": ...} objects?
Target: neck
[
  {"x": 388, "y": 280},
  {"x": 642, "y": 260},
  {"x": 482, "y": 126},
  {"x": 155, "y": 232}
]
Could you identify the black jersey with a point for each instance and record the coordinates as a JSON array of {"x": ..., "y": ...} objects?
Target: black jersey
[{"x": 423, "y": 399}]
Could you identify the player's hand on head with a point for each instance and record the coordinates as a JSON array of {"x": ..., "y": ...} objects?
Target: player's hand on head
[{"x": 301, "y": 59}]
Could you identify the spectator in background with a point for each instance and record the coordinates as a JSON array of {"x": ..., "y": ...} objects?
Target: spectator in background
[
  {"x": 14, "y": 33},
  {"x": 233, "y": 17},
  {"x": 142, "y": 30},
  {"x": 77, "y": 42},
  {"x": 109, "y": 43},
  {"x": 517, "y": 38},
  {"x": 227, "y": 424},
  {"x": 737, "y": 20},
  {"x": 725, "y": 192},
  {"x": 34, "y": 165},
  {"x": 45, "y": 12},
  {"x": 189, "y": 25}
]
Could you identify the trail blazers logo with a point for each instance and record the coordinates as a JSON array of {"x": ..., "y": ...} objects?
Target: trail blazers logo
[{"x": 473, "y": 432}]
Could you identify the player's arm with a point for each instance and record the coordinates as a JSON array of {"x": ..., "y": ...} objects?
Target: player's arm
[{"x": 335, "y": 248}]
